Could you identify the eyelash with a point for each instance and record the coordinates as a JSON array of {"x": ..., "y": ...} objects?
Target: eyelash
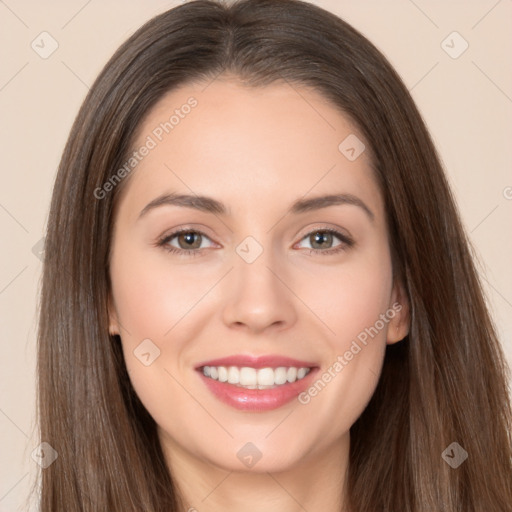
[{"x": 346, "y": 242}]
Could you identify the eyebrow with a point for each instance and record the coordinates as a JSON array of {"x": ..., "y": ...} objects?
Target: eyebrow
[{"x": 210, "y": 205}]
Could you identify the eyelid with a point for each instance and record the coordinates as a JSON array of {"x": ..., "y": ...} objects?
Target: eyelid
[{"x": 324, "y": 227}]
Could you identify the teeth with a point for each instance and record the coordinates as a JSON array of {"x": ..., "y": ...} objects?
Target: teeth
[
  {"x": 223, "y": 374},
  {"x": 248, "y": 377},
  {"x": 266, "y": 376},
  {"x": 291, "y": 374},
  {"x": 252, "y": 378},
  {"x": 233, "y": 374},
  {"x": 280, "y": 376}
]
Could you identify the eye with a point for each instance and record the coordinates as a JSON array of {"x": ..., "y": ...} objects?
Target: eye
[
  {"x": 189, "y": 242},
  {"x": 321, "y": 241},
  {"x": 184, "y": 241}
]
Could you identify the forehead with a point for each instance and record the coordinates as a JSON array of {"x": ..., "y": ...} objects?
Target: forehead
[{"x": 250, "y": 144}]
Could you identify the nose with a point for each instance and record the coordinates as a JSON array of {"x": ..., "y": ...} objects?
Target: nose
[{"x": 259, "y": 298}]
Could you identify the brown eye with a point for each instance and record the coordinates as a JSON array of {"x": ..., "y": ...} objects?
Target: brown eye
[
  {"x": 186, "y": 242},
  {"x": 189, "y": 240},
  {"x": 321, "y": 240}
]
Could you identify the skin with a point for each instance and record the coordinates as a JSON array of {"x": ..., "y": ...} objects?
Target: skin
[{"x": 257, "y": 150}]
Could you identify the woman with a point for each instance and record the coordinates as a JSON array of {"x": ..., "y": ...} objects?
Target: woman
[{"x": 194, "y": 354}]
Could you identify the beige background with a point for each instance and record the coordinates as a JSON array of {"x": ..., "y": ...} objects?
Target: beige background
[{"x": 466, "y": 102}]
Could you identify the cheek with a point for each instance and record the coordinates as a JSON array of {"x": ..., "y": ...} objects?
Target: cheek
[
  {"x": 156, "y": 300},
  {"x": 352, "y": 305},
  {"x": 149, "y": 302},
  {"x": 350, "y": 298},
  {"x": 151, "y": 295}
]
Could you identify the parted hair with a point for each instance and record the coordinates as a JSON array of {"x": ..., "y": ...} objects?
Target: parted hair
[{"x": 446, "y": 382}]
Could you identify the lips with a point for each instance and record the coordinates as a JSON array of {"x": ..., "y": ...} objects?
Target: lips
[{"x": 256, "y": 400}]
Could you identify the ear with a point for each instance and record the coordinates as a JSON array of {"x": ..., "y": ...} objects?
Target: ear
[
  {"x": 400, "y": 322},
  {"x": 113, "y": 327}
]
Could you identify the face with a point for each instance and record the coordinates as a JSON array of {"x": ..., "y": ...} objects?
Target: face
[{"x": 282, "y": 263}]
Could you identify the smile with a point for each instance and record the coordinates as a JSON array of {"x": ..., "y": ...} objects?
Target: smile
[{"x": 252, "y": 378}]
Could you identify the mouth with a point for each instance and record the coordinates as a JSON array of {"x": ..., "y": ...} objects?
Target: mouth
[
  {"x": 254, "y": 378},
  {"x": 256, "y": 384}
]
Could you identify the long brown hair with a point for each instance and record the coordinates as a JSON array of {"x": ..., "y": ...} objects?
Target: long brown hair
[{"x": 445, "y": 382}]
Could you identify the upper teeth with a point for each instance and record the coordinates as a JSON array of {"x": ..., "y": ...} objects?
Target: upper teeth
[{"x": 253, "y": 378}]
